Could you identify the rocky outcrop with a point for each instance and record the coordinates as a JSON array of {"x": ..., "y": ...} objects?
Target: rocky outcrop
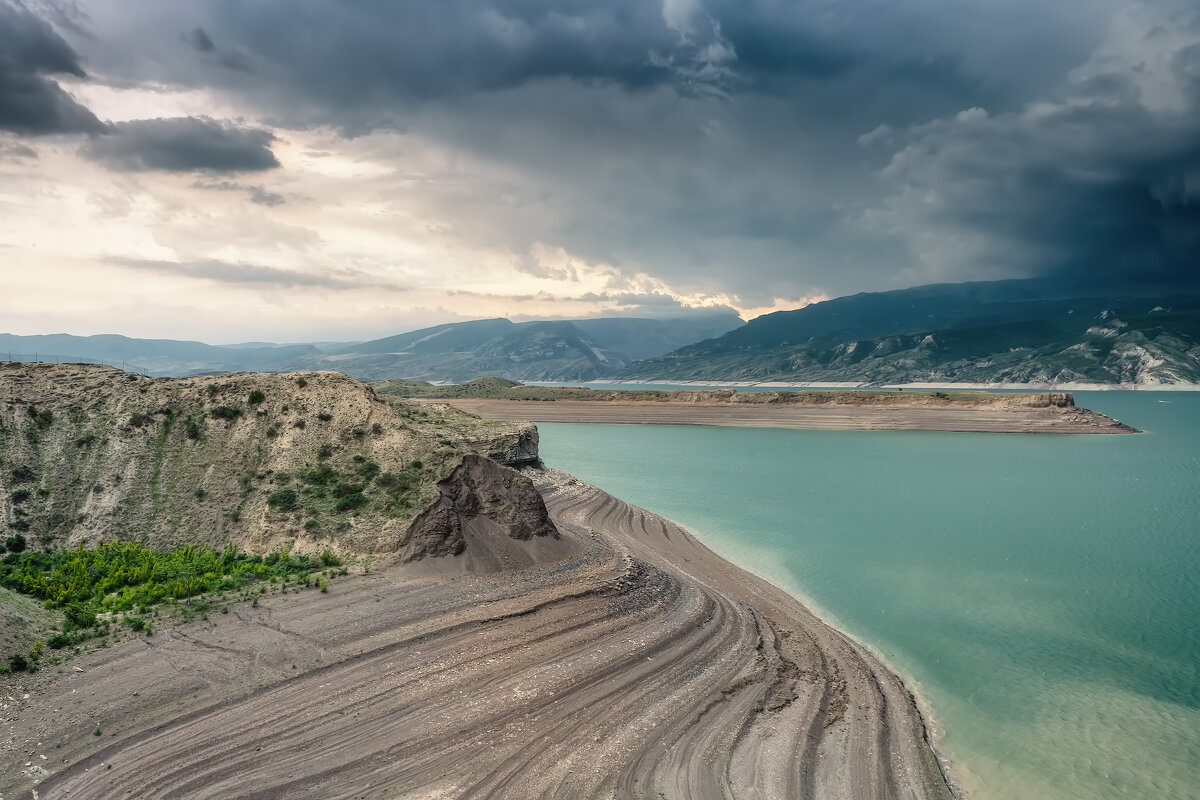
[
  {"x": 517, "y": 448},
  {"x": 1044, "y": 400},
  {"x": 478, "y": 487},
  {"x": 308, "y": 461}
]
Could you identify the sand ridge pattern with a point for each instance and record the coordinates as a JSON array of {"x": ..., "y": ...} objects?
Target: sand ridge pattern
[{"x": 630, "y": 662}]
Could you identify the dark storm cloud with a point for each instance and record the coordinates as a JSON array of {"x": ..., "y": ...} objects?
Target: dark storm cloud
[
  {"x": 183, "y": 144},
  {"x": 200, "y": 40},
  {"x": 32, "y": 102},
  {"x": 1099, "y": 183},
  {"x": 714, "y": 144}
]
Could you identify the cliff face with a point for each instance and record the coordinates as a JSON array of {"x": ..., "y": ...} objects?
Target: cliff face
[{"x": 307, "y": 460}]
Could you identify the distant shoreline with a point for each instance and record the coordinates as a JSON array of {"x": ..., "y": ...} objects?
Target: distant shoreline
[
  {"x": 829, "y": 416},
  {"x": 1027, "y": 387}
]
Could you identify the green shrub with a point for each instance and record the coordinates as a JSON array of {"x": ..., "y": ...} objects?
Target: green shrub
[
  {"x": 226, "y": 412},
  {"x": 19, "y": 496},
  {"x": 300, "y": 423},
  {"x": 319, "y": 476},
  {"x": 416, "y": 465},
  {"x": 16, "y": 543},
  {"x": 256, "y": 397},
  {"x": 283, "y": 499},
  {"x": 351, "y": 501},
  {"x": 301, "y": 382},
  {"x": 324, "y": 416},
  {"x": 394, "y": 483},
  {"x": 311, "y": 524},
  {"x": 328, "y": 559},
  {"x": 23, "y": 474},
  {"x": 192, "y": 427},
  {"x": 17, "y": 662}
]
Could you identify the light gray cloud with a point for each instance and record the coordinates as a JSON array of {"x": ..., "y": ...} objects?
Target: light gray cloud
[
  {"x": 218, "y": 271},
  {"x": 254, "y": 193}
]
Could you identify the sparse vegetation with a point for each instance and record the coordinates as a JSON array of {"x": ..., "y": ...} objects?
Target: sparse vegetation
[
  {"x": 301, "y": 382},
  {"x": 256, "y": 397},
  {"x": 228, "y": 413}
]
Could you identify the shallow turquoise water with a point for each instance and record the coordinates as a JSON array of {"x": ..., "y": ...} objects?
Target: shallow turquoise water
[{"x": 1039, "y": 593}]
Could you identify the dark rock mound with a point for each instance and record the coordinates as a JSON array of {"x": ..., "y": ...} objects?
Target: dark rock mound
[{"x": 477, "y": 488}]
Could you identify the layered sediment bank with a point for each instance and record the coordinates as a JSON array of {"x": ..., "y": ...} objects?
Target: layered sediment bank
[
  {"x": 620, "y": 659},
  {"x": 982, "y": 417}
]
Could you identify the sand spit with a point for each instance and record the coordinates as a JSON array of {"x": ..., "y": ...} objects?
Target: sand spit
[
  {"x": 832, "y": 416},
  {"x": 626, "y": 661}
]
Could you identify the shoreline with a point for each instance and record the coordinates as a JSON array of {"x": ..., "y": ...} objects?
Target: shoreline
[
  {"x": 626, "y": 659},
  {"x": 831, "y": 416}
]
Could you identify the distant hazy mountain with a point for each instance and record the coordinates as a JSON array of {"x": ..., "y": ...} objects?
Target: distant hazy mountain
[
  {"x": 159, "y": 356},
  {"x": 569, "y": 351},
  {"x": 1007, "y": 331},
  {"x": 548, "y": 351}
]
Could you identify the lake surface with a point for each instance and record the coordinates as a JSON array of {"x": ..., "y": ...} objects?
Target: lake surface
[{"x": 1040, "y": 594}]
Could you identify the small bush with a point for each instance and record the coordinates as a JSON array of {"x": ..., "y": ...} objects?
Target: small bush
[
  {"x": 328, "y": 559},
  {"x": 319, "y": 476},
  {"x": 300, "y": 423},
  {"x": 351, "y": 501},
  {"x": 301, "y": 382},
  {"x": 394, "y": 483},
  {"x": 272, "y": 431},
  {"x": 358, "y": 433},
  {"x": 19, "y": 496},
  {"x": 15, "y": 543},
  {"x": 376, "y": 429},
  {"x": 200, "y": 493},
  {"x": 17, "y": 662},
  {"x": 326, "y": 451},
  {"x": 192, "y": 427},
  {"x": 283, "y": 499},
  {"x": 416, "y": 465},
  {"x": 324, "y": 585},
  {"x": 311, "y": 524},
  {"x": 23, "y": 474},
  {"x": 256, "y": 397},
  {"x": 229, "y": 413},
  {"x": 324, "y": 416}
]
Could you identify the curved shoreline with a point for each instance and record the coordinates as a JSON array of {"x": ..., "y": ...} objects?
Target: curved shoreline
[{"x": 624, "y": 660}]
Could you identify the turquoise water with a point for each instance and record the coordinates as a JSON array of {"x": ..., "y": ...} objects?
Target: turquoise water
[{"x": 1039, "y": 593}]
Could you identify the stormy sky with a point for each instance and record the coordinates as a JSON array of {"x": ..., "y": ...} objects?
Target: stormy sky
[{"x": 305, "y": 170}]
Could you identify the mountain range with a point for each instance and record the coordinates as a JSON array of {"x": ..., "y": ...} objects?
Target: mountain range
[
  {"x": 1019, "y": 331},
  {"x": 1015, "y": 331},
  {"x": 578, "y": 350}
]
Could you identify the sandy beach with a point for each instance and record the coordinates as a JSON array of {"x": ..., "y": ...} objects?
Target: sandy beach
[
  {"x": 834, "y": 416},
  {"x": 623, "y": 659}
]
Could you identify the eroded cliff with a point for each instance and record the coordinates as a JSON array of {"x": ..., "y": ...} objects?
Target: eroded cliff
[{"x": 308, "y": 461}]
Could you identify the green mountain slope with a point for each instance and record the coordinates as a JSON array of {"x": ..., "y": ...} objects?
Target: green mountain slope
[{"x": 1007, "y": 332}]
